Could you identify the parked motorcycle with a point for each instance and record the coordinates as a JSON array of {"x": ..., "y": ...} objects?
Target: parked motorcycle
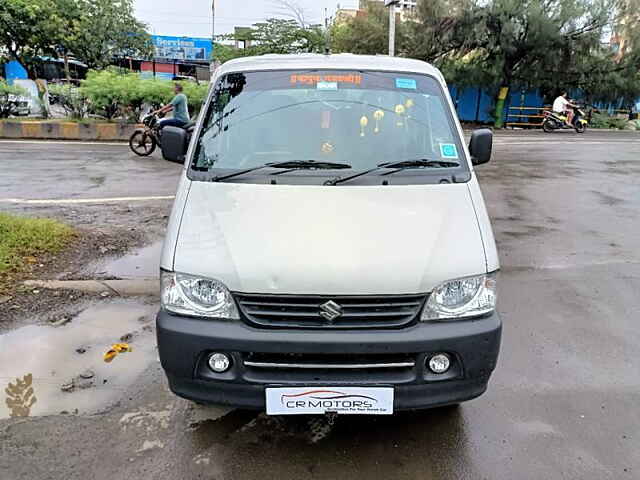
[
  {"x": 145, "y": 140},
  {"x": 556, "y": 121}
]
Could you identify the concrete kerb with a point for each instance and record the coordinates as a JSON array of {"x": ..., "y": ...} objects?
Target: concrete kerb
[
  {"x": 123, "y": 288},
  {"x": 118, "y": 132}
]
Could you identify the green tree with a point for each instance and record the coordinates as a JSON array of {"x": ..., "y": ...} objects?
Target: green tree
[
  {"x": 94, "y": 31},
  {"x": 610, "y": 77},
  {"x": 272, "y": 36},
  {"x": 106, "y": 29},
  {"x": 535, "y": 42},
  {"x": 545, "y": 44},
  {"x": 29, "y": 28},
  {"x": 368, "y": 34}
]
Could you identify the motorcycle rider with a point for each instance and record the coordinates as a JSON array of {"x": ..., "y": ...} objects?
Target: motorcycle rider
[
  {"x": 180, "y": 107},
  {"x": 562, "y": 106}
]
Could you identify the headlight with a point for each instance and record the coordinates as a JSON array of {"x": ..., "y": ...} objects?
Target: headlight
[
  {"x": 462, "y": 297},
  {"x": 196, "y": 296}
]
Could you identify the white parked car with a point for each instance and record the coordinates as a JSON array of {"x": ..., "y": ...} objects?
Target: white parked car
[{"x": 329, "y": 249}]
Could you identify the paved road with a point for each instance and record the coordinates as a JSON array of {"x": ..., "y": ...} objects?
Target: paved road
[{"x": 563, "y": 402}]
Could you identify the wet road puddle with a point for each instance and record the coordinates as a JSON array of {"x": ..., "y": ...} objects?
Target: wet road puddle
[
  {"x": 47, "y": 369},
  {"x": 140, "y": 263}
]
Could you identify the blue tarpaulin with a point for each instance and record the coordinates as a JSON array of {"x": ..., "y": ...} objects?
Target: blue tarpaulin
[{"x": 13, "y": 70}]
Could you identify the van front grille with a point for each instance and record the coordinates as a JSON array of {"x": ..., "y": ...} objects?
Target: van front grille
[
  {"x": 308, "y": 311},
  {"x": 296, "y": 368}
]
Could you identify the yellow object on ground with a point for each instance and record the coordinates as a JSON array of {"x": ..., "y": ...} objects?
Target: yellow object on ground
[{"x": 115, "y": 349}]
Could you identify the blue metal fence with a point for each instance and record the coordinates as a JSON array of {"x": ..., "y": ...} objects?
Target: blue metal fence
[
  {"x": 522, "y": 107},
  {"x": 473, "y": 104}
]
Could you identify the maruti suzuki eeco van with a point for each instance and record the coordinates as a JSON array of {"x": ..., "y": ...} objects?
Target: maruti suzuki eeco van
[{"x": 329, "y": 249}]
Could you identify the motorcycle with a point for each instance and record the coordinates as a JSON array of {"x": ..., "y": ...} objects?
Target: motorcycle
[
  {"x": 556, "y": 121},
  {"x": 144, "y": 141}
]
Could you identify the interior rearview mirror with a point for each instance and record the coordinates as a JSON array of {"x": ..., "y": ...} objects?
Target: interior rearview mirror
[
  {"x": 174, "y": 144},
  {"x": 480, "y": 146}
]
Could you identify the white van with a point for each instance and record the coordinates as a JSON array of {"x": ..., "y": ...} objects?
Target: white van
[{"x": 329, "y": 249}]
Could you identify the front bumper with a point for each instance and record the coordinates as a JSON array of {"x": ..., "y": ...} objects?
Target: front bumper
[{"x": 185, "y": 343}]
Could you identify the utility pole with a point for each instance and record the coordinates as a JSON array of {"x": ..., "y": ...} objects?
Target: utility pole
[
  {"x": 327, "y": 33},
  {"x": 391, "y": 4},
  {"x": 213, "y": 22},
  {"x": 212, "y": 64}
]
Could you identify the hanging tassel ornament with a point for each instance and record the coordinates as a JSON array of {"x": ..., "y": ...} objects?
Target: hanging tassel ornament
[
  {"x": 378, "y": 115},
  {"x": 409, "y": 105},
  {"x": 364, "y": 121},
  {"x": 400, "y": 112}
]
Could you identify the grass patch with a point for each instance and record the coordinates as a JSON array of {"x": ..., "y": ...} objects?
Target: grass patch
[{"x": 23, "y": 240}]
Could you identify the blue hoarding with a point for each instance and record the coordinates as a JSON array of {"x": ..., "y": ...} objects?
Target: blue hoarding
[{"x": 181, "y": 48}]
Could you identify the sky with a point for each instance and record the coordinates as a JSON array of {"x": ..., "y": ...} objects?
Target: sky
[{"x": 192, "y": 18}]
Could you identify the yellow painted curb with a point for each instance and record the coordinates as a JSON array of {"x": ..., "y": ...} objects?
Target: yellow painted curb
[
  {"x": 48, "y": 130},
  {"x": 31, "y": 130},
  {"x": 69, "y": 131},
  {"x": 106, "y": 131}
]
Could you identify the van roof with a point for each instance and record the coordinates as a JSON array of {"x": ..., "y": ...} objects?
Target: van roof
[{"x": 341, "y": 61}]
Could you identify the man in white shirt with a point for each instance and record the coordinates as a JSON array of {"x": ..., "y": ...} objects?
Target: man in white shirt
[{"x": 564, "y": 107}]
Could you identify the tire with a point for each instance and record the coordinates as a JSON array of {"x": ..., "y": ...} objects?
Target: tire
[
  {"x": 547, "y": 127},
  {"x": 581, "y": 127},
  {"x": 142, "y": 144}
]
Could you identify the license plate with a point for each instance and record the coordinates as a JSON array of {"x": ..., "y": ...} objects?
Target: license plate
[{"x": 318, "y": 400}]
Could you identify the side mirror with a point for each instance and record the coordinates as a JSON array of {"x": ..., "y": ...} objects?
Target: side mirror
[
  {"x": 174, "y": 142},
  {"x": 480, "y": 146}
]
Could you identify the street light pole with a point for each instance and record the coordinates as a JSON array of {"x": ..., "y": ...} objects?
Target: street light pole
[{"x": 392, "y": 25}]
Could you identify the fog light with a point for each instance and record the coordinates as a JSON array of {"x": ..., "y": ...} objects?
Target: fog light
[
  {"x": 439, "y": 363},
  {"x": 219, "y": 362}
]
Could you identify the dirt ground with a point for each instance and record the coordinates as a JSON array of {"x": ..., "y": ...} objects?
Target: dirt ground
[{"x": 22, "y": 303}]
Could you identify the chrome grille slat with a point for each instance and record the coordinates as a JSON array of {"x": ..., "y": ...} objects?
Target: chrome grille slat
[
  {"x": 307, "y": 305},
  {"x": 303, "y": 311},
  {"x": 329, "y": 366},
  {"x": 346, "y": 314}
]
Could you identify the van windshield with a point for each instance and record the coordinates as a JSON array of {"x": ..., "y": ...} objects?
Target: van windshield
[{"x": 358, "y": 118}]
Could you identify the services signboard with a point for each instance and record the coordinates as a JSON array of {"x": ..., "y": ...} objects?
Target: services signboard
[{"x": 182, "y": 48}]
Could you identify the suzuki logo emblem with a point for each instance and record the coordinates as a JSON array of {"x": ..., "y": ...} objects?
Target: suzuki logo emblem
[{"x": 330, "y": 311}]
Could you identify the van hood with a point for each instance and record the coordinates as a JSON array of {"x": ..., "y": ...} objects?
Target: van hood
[{"x": 329, "y": 240}]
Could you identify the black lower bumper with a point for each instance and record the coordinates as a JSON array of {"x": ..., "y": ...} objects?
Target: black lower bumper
[{"x": 185, "y": 343}]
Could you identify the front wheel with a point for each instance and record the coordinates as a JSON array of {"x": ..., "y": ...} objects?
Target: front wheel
[
  {"x": 547, "y": 127},
  {"x": 141, "y": 143},
  {"x": 581, "y": 127}
]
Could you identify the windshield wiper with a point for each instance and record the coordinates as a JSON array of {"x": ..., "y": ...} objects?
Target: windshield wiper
[
  {"x": 418, "y": 163},
  {"x": 290, "y": 165},
  {"x": 398, "y": 166},
  {"x": 337, "y": 180},
  {"x": 301, "y": 164}
]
